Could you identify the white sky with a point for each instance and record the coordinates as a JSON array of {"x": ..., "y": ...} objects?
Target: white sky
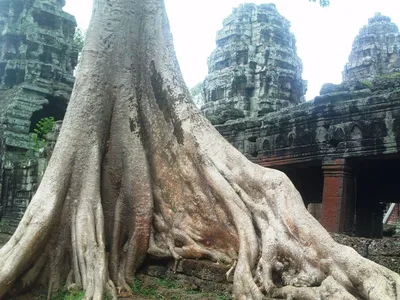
[{"x": 324, "y": 35}]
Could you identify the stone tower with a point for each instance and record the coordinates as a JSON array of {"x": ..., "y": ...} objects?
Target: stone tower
[
  {"x": 376, "y": 50},
  {"x": 37, "y": 60},
  {"x": 255, "y": 68}
]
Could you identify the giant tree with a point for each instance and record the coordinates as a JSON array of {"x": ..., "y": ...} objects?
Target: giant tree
[
  {"x": 323, "y": 3},
  {"x": 137, "y": 170}
]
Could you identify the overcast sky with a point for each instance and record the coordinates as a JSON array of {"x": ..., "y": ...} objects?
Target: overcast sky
[{"x": 324, "y": 35}]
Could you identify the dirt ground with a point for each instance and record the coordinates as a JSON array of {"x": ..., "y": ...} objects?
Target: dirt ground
[
  {"x": 164, "y": 291},
  {"x": 144, "y": 288}
]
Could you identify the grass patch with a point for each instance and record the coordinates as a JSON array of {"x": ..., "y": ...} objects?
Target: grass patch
[
  {"x": 167, "y": 283},
  {"x": 223, "y": 297},
  {"x": 165, "y": 288},
  {"x": 138, "y": 289},
  {"x": 194, "y": 292},
  {"x": 210, "y": 295},
  {"x": 216, "y": 296}
]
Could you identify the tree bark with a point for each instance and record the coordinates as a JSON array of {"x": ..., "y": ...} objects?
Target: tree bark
[{"x": 138, "y": 170}]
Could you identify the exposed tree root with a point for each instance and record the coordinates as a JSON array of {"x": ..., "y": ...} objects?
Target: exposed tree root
[{"x": 137, "y": 170}]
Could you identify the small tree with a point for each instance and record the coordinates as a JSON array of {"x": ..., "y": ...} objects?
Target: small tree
[{"x": 38, "y": 137}]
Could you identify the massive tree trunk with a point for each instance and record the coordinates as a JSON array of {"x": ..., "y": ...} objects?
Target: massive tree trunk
[{"x": 138, "y": 170}]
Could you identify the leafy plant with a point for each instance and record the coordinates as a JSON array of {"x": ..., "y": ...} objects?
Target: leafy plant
[{"x": 38, "y": 138}]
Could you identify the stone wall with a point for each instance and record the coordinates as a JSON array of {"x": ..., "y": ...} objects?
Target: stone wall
[
  {"x": 19, "y": 184},
  {"x": 347, "y": 120},
  {"x": 200, "y": 275},
  {"x": 384, "y": 251},
  {"x": 255, "y": 68}
]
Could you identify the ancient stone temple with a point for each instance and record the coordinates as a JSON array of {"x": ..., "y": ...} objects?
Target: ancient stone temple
[
  {"x": 255, "y": 68},
  {"x": 37, "y": 59},
  {"x": 343, "y": 148},
  {"x": 376, "y": 50}
]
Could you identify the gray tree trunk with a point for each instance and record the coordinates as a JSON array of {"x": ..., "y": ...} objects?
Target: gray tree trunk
[{"x": 138, "y": 170}]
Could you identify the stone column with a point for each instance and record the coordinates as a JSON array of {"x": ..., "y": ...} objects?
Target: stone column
[{"x": 338, "y": 197}]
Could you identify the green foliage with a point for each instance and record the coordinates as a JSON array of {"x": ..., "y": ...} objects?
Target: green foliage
[
  {"x": 223, "y": 297},
  {"x": 138, "y": 289},
  {"x": 79, "y": 38},
  {"x": 158, "y": 290},
  {"x": 167, "y": 283},
  {"x": 44, "y": 126},
  {"x": 367, "y": 84},
  {"x": 69, "y": 295},
  {"x": 395, "y": 75},
  {"x": 38, "y": 138},
  {"x": 136, "y": 286},
  {"x": 209, "y": 295},
  {"x": 323, "y": 3}
]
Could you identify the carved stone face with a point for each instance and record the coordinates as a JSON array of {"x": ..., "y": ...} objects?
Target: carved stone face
[
  {"x": 255, "y": 67},
  {"x": 376, "y": 51}
]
